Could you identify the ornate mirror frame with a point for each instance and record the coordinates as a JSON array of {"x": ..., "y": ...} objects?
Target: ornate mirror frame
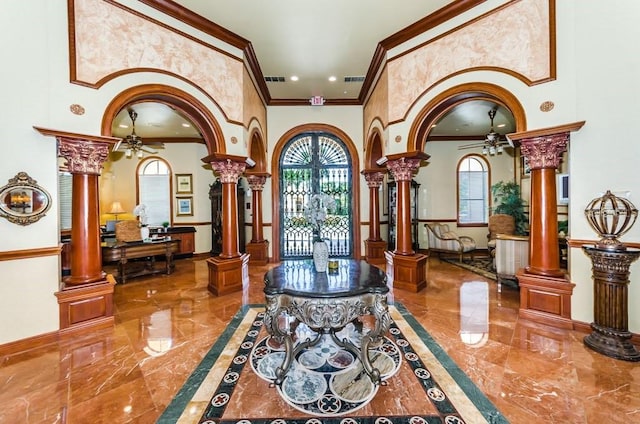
[{"x": 23, "y": 201}]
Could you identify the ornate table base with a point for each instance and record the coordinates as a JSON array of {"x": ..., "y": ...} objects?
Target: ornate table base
[{"x": 327, "y": 316}]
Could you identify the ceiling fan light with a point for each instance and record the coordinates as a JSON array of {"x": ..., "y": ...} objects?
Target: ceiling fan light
[
  {"x": 485, "y": 151},
  {"x": 492, "y": 150},
  {"x": 140, "y": 154},
  {"x": 128, "y": 153},
  {"x": 500, "y": 149}
]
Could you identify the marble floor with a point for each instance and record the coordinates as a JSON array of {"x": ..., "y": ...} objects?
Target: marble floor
[{"x": 165, "y": 324}]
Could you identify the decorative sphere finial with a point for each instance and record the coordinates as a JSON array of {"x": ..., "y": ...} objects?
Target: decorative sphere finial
[{"x": 611, "y": 216}]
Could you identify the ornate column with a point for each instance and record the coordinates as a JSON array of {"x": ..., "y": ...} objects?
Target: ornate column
[
  {"x": 406, "y": 269},
  {"x": 545, "y": 292},
  {"x": 228, "y": 272},
  {"x": 258, "y": 247},
  {"x": 374, "y": 245},
  {"x": 86, "y": 295},
  {"x": 611, "y": 217}
]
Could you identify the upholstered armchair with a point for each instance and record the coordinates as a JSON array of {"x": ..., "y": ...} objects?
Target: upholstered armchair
[
  {"x": 499, "y": 223},
  {"x": 441, "y": 239},
  {"x": 512, "y": 253}
]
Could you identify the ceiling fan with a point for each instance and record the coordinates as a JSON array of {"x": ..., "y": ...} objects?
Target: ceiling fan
[
  {"x": 133, "y": 144},
  {"x": 492, "y": 144}
]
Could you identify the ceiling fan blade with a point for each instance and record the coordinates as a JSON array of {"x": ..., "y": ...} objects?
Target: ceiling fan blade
[
  {"x": 153, "y": 143},
  {"x": 471, "y": 146},
  {"x": 117, "y": 145},
  {"x": 147, "y": 150}
]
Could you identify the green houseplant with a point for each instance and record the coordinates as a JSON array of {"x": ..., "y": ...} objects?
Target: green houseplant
[{"x": 508, "y": 200}]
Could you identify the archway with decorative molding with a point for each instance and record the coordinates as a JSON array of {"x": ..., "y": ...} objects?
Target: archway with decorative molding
[
  {"x": 373, "y": 149},
  {"x": 191, "y": 107},
  {"x": 257, "y": 151},
  {"x": 275, "y": 176},
  {"x": 443, "y": 102}
]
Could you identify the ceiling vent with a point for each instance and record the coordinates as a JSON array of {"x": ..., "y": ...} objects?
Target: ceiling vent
[
  {"x": 353, "y": 79},
  {"x": 274, "y": 79}
]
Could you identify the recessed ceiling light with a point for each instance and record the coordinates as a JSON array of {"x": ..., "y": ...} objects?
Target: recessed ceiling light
[
  {"x": 294, "y": 78},
  {"x": 186, "y": 125},
  {"x": 123, "y": 126},
  {"x": 332, "y": 78},
  {"x": 434, "y": 125},
  {"x": 501, "y": 125}
]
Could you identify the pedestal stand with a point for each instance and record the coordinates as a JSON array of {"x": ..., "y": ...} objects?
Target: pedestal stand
[{"x": 611, "y": 336}]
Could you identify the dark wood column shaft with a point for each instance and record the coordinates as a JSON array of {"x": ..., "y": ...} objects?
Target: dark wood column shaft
[
  {"x": 230, "y": 220},
  {"x": 256, "y": 183},
  {"x": 544, "y": 153},
  {"x": 402, "y": 170},
  {"x": 85, "y": 157},
  {"x": 229, "y": 168},
  {"x": 86, "y": 255},
  {"x": 374, "y": 181},
  {"x": 544, "y": 223}
]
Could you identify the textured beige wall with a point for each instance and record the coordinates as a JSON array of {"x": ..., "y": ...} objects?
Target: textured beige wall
[{"x": 110, "y": 39}]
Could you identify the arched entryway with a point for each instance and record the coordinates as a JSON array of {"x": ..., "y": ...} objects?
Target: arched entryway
[
  {"x": 331, "y": 152},
  {"x": 191, "y": 107},
  {"x": 446, "y": 100},
  {"x": 315, "y": 163}
]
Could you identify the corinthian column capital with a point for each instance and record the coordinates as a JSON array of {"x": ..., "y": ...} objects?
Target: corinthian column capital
[{"x": 374, "y": 178}]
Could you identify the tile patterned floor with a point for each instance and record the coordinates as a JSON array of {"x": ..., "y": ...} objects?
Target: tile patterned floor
[{"x": 165, "y": 325}]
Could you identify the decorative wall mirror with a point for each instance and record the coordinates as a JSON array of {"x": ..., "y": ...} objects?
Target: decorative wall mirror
[{"x": 23, "y": 201}]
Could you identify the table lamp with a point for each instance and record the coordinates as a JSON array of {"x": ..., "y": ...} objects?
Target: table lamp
[{"x": 116, "y": 209}]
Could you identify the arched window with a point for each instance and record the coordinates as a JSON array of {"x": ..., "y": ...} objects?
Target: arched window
[
  {"x": 473, "y": 191},
  {"x": 154, "y": 190}
]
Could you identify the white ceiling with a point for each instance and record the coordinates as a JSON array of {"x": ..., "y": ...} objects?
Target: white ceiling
[{"x": 313, "y": 40}]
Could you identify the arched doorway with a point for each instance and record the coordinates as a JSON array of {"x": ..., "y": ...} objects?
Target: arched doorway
[
  {"x": 277, "y": 198},
  {"x": 315, "y": 163}
]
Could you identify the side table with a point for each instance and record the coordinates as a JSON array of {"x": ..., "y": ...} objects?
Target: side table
[{"x": 326, "y": 303}]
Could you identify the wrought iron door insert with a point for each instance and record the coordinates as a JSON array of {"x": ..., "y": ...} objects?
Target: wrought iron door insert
[{"x": 315, "y": 163}]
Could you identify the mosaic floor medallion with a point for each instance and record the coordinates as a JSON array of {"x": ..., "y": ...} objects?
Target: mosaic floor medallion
[
  {"x": 325, "y": 380},
  {"x": 232, "y": 384}
]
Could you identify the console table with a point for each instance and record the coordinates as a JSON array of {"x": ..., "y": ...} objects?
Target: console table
[
  {"x": 326, "y": 303},
  {"x": 122, "y": 252}
]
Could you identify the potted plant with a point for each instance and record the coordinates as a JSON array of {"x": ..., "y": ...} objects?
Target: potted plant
[
  {"x": 165, "y": 225},
  {"x": 508, "y": 200}
]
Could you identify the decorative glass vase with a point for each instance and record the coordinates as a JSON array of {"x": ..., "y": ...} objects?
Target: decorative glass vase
[
  {"x": 144, "y": 233},
  {"x": 320, "y": 256}
]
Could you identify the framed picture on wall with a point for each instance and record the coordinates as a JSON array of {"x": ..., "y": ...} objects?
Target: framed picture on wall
[
  {"x": 184, "y": 206},
  {"x": 184, "y": 183},
  {"x": 524, "y": 167}
]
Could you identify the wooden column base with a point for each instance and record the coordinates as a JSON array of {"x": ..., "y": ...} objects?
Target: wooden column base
[
  {"x": 259, "y": 251},
  {"x": 228, "y": 275},
  {"x": 86, "y": 307},
  {"x": 612, "y": 343},
  {"x": 545, "y": 300},
  {"x": 406, "y": 272},
  {"x": 374, "y": 251}
]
